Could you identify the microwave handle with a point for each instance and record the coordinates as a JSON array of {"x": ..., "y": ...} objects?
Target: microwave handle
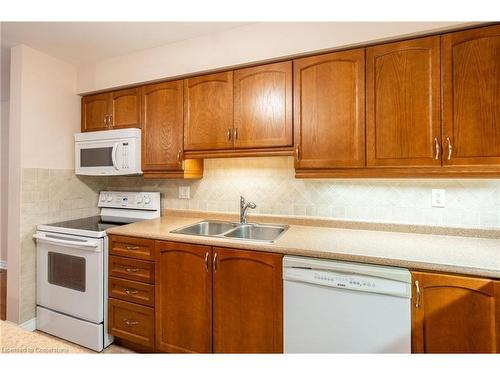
[
  {"x": 43, "y": 238},
  {"x": 113, "y": 155}
]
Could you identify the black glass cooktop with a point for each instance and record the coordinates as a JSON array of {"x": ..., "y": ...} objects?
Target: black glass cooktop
[{"x": 93, "y": 223}]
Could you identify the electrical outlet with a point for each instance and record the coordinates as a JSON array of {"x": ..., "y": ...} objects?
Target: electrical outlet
[
  {"x": 438, "y": 198},
  {"x": 184, "y": 192}
]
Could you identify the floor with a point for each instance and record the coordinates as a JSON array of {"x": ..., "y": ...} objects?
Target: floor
[
  {"x": 3, "y": 294},
  {"x": 14, "y": 339}
]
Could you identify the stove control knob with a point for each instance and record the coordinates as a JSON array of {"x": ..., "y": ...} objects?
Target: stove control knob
[
  {"x": 139, "y": 199},
  {"x": 147, "y": 199},
  {"x": 103, "y": 197},
  {"x": 110, "y": 198}
]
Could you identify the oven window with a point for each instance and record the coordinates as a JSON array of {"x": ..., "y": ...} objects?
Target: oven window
[
  {"x": 96, "y": 157},
  {"x": 67, "y": 271}
]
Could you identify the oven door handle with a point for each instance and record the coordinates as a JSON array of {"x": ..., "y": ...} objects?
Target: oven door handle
[{"x": 90, "y": 246}]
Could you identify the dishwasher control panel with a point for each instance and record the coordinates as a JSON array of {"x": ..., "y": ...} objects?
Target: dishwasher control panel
[{"x": 362, "y": 283}]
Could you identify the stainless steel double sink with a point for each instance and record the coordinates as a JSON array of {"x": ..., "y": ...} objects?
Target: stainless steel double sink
[{"x": 227, "y": 229}]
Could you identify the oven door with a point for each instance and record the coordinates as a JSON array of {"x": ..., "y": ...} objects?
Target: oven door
[{"x": 70, "y": 275}]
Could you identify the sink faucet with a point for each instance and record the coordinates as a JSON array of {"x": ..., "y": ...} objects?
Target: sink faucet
[{"x": 244, "y": 206}]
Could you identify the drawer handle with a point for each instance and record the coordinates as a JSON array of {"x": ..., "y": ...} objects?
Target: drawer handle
[
  {"x": 131, "y": 291},
  {"x": 131, "y": 270},
  {"x": 130, "y": 322},
  {"x": 132, "y": 247}
]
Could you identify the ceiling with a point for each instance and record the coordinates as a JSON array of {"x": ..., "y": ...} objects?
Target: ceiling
[{"x": 87, "y": 42}]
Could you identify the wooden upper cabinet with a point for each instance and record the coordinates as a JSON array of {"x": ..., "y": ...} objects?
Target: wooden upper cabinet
[
  {"x": 112, "y": 110},
  {"x": 455, "y": 314},
  {"x": 208, "y": 112},
  {"x": 95, "y": 109},
  {"x": 183, "y": 298},
  {"x": 263, "y": 106},
  {"x": 471, "y": 96},
  {"x": 329, "y": 110},
  {"x": 403, "y": 103},
  {"x": 125, "y": 110},
  {"x": 162, "y": 126},
  {"x": 247, "y": 302}
]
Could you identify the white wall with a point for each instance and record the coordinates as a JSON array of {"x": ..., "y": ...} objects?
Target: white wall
[
  {"x": 50, "y": 111},
  {"x": 4, "y": 134},
  {"x": 44, "y": 115},
  {"x": 246, "y": 44}
]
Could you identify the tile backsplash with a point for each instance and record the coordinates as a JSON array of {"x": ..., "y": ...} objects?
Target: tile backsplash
[{"x": 270, "y": 183}]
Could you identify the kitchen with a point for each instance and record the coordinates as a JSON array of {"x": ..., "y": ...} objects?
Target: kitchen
[{"x": 335, "y": 192}]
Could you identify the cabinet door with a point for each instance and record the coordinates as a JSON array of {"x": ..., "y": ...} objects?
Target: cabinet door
[
  {"x": 183, "y": 298},
  {"x": 403, "y": 103},
  {"x": 471, "y": 96},
  {"x": 95, "y": 110},
  {"x": 455, "y": 314},
  {"x": 208, "y": 112},
  {"x": 162, "y": 126},
  {"x": 329, "y": 110},
  {"x": 125, "y": 109},
  {"x": 248, "y": 302},
  {"x": 263, "y": 106}
]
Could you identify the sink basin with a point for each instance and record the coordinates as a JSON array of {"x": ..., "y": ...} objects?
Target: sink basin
[
  {"x": 226, "y": 229},
  {"x": 268, "y": 233},
  {"x": 207, "y": 228}
]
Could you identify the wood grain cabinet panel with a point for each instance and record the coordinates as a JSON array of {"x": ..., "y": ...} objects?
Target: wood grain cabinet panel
[
  {"x": 132, "y": 269},
  {"x": 471, "y": 96},
  {"x": 133, "y": 247},
  {"x": 95, "y": 109},
  {"x": 208, "y": 112},
  {"x": 125, "y": 109},
  {"x": 132, "y": 291},
  {"x": 247, "y": 302},
  {"x": 455, "y": 314},
  {"x": 162, "y": 107},
  {"x": 263, "y": 106},
  {"x": 132, "y": 322},
  {"x": 183, "y": 298},
  {"x": 403, "y": 103},
  {"x": 329, "y": 110}
]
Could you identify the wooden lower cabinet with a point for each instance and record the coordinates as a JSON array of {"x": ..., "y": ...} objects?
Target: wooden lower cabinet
[
  {"x": 247, "y": 302},
  {"x": 217, "y": 300},
  {"x": 455, "y": 314},
  {"x": 183, "y": 298}
]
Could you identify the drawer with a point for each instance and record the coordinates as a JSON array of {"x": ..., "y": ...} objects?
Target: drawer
[
  {"x": 133, "y": 247},
  {"x": 132, "y": 269},
  {"x": 132, "y": 291},
  {"x": 132, "y": 322}
]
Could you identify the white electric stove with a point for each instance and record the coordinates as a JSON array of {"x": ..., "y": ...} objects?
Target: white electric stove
[{"x": 72, "y": 268}]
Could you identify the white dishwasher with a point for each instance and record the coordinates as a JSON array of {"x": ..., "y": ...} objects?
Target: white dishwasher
[{"x": 343, "y": 307}]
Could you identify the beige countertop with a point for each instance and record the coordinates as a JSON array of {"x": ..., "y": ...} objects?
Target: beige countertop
[{"x": 478, "y": 256}]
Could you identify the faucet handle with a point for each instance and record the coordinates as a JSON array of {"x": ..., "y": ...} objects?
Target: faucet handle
[{"x": 242, "y": 200}]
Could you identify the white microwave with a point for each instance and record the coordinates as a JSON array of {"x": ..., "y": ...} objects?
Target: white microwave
[{"x": 108, "y": 152}]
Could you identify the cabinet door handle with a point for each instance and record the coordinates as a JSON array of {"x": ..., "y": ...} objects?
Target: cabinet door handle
[
  {"x": 130, "y": 322},
  {"x": 131, "y": 291},
  {"x": 417, "y": 297},
  {"x": 214, "y": 265},
  {"x": 438, "y": 149},
  {"x": 450, "y": 147},
  {"x": 131, "y": 270},
  {"x": 179, "y": 154},
  {"x": 235, "y": 134},
  {"x": 228, "y": 135},
  {"x": 106, "y": 121},
  {"x": 297, "y": 151},
  {"x": 206, "y": 261},
  {"x": 110, "y": 121},
  {"x": 132, "y": 247}
]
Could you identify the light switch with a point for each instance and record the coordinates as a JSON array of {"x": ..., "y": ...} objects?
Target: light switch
[
  {"x": 184, "y": 192},
  {"x": 438, "y": 197}
]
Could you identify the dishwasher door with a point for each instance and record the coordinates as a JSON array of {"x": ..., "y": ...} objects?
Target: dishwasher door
[{"x": 341, "y": 307}]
